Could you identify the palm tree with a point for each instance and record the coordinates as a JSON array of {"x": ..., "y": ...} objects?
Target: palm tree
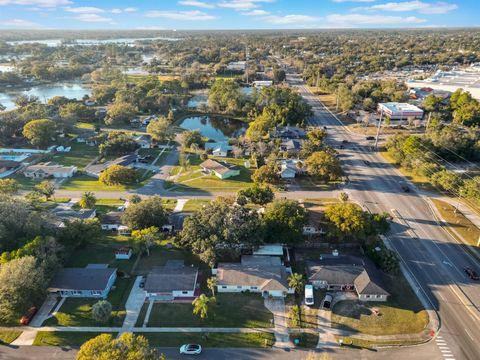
[
  {"x": 88, "y": 200},
  {"x": 201, "y": 305},
  {"x": 211, "y": 283},
  {"x": 297, "y": 282}
]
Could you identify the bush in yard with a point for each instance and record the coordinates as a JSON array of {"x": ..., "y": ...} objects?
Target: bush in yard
[
  {"x": 101, "y": 311},
  {"x": 119, "y": 175},
  {"x": 126, "y": 347}
]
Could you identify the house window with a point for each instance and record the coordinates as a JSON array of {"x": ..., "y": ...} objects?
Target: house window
[
  {"x": 96, "y": 293},
  {"x": 254, "y": 287},
  {"x": 184, "y": 292},
  {"x": 76, "y": 292},
  {"x": 367, "y": 296},
  {"x": 224, "y": 287},
  {"x": 239, "y": 287}
]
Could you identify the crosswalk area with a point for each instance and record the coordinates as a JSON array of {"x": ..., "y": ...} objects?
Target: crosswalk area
[{"x": 444, "y": 348}]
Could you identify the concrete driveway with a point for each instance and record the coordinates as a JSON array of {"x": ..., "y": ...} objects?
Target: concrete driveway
[{"x": 134, "y": 304}]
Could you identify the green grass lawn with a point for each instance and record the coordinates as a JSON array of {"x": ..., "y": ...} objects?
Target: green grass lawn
[
  {"x": 212, "y": 339},
  {"x": 8, "y": 336},
  {"x": 349, "y": 342},
  {"x": 195, "y": 205},
  {"x": 305, "y": 340},
  {"x": 160, "y": 254},
  {"x": 64, "y": 338},
  {"x": 88, "y": 183},
  {"x": 77, "y": 312},
  {"x": 230, "y": 310},
  {"x": 80, "y": 155},
  {"x": 458, "y": 222},
  {"x": 24, "y": 182},
  {"x": 102, "y": 252},
  {"x": 401, "y": 314}
]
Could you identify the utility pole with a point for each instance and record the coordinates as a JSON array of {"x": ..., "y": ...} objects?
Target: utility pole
[
  {"x": 428, "y": 120},
  {"x": 378, "y": 128}
]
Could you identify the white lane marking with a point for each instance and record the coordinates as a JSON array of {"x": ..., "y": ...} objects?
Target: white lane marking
[
  {"x": 444, "y": 348},
  {"x": 470, "y": 336},
  {"x": 445, "y": 351}
]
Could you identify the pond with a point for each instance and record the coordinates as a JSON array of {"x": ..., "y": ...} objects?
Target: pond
[
  {"x": 71, "y": 90},
  {"x": 215, "y": 128}
]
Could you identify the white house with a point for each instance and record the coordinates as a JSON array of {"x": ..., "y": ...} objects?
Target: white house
[
  {"x": 43, "y": 171},
  {"x": 219, "y": 149},
  {"x": 111, "y": 221},
  {"x": 259, "y": 274},
  {"x": 174, "y": 281}
]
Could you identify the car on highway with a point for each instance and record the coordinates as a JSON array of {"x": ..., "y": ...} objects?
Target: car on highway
[
  {"x": 191, "y": 349},
  {"x": 405, "y": 188},
  {"x": 472, "y": 274},
  {"x": 370, "y": 138},
  {"x": 309, "y": 299},
  {"x": 366, "y": 162}
]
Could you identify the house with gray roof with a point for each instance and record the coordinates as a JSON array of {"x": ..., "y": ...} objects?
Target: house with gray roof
[
  {"x": 43, "y": 171},
  {"x": 96, "y": 169},
  {"x": 220, "y": 169},
  {"x": 174, "y": 281},
  {"x": 91, "y": 281},
  {"x": 347, "y": 273},
  {"x": 259, "y": 274}
]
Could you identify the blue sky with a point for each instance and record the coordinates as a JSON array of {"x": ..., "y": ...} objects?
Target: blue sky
[{"x": 236, "y": 14}]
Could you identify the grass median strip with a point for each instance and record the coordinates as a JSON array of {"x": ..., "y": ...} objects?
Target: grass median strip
[
  {"x": 64, "y": 338},
  {"x": 212, "y": 339},
  {"x": 8, "y": 336}
]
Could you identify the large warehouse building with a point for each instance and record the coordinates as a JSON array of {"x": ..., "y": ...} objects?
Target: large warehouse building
[{"x": 399, "y": 111}]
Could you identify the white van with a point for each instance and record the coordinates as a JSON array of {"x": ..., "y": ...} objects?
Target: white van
[{"x": 309, "y": 299}]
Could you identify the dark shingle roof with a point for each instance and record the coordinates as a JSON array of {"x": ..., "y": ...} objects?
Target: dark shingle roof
[
  {"x": 81, "y": 279},
  {"x": 174, "y": 276},
  {"x": 368, "y": 283}
]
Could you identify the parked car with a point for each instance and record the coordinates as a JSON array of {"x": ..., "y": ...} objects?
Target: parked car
[
  {"x": 191, "y": 349},
  {"x": 327, "y": 301},
  {"x": 309, "y": 298},
  {"x": 25, "y": 319},
  {"x": 142, "y": 283},
  {"x": 370, "y": 138},
  {"x": 472, "y": 274}
]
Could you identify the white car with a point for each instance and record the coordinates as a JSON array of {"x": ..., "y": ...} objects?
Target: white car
[
  {"x": 309, "y": 299},
  {"x": 191, "y": 349}
]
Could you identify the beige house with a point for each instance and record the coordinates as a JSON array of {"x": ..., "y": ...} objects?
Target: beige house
[{"x": 47, "y": 170}]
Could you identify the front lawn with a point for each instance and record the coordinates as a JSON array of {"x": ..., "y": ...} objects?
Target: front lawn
[
  {"x": 80, "y": 155},
  {"x": 304, "y": 340},
  {"x": 401, "y": 314},
  {"x": 160, "y": 254},
  {"x": 212, "y": 339},
  {"x": 77, "y": 312},
  {"x": 195, "y": 205},
  {"x": 8, "y": 336},
  {"x": 230, "y": 310},
  {"x": 64, "y": 338},
  {"x": 89, "y": 183}
]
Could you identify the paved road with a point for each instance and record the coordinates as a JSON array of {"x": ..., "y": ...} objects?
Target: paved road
[{"x": 432, "y": 255}]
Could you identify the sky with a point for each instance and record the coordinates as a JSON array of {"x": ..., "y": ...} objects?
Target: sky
[{"x": 236, "y": 14}]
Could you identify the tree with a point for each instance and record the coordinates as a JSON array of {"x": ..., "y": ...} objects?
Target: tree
[
  {"x": 118, "y": 174},
  {"x": 343, "y": 196},
  {"x": 324, "y": 166},
  {"x": 294, "y": 315},
  {"x": 79, "y": 233},
  {"x": 158, "y": 129},
  {"x": 8, "y": 186},
  {"x": 126, "y": 347},
  {"x": 22, "y": 284},
  {"x": 283, "y": 221},
  {"x": 40, "y": 133},
  {"x": 257, "y": 194},
  {"x": 279, "y": 75},
  {"x": 101, "y": 311},
  {"x": 46, "y": 188},
  {"x": 471, "y": 188},
  {"x": 143, "y": 240},
  {"x": 201, "y": 305},
  {"x": 88, "y": 200},
  {"x": 74, "y": 112},
  {"x": 296, "y": 281},
  {"x": 211, "y": 284},
  {"x": 347, "y": 220},
  {"x": 266, "y": 174},
  {"x": 188, "y": 138},
  {"x": 220, "y": 228},
  {"x": 345, "y": 98},
  {"x": 147, "y": 213},
  {"x": 224, "y": 96},
  {"x": 317, "y": 136},
  {"x": 134, "y": 199},
  {"x": 118, "y": 143},
  {"x": 446, "y": 180},
  {"x": 120, "y": 113}
]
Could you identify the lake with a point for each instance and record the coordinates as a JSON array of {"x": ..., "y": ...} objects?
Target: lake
[
  {"x": 71, "y": 90},
  {"x": 215, "y": 128}
]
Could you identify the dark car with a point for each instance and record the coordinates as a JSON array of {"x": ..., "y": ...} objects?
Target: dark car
[
  {"x": 370, "y": 138},
  {"x": 366, "y": 162},
  {"x": 142, "y": 283},
  {"x": 25, "y": 319},
  {"x": 405, "y": 188},
  {"x": 344, "y": 141},
  {"x": 472, "y": 274}
]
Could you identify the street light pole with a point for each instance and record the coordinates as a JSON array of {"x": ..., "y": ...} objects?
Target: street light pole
[{"x": 378, "y": 128}]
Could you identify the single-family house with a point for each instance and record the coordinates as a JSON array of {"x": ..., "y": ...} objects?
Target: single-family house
[
  {"x": 111, "y": 221},
  {"x": 8, "y": 167},
  {"x": 259, "y": 274},
  {"x": 69, "y": 214},
  {"x": 47, "y": 170},
  {"x": 347, "y": 273},
  {"x": 220, "y": 169},
  {"x": 290, "y": 168},
  {"x": 144, "y": 141},
  {"x": 262, "y": 83},
  {"x": 291, "y": 146},
  {"x": 174, "y": 281},
  {"x": 88, "y": 136},
  {"x": 219, "y": 148},
  {"x": 127, "y": 161},
  {"x": 83, "y": 282},
  {"x": 288, "y": 132}
]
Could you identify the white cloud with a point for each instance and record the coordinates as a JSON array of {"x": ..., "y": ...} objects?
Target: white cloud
[
  {"x": 93, "y": 18},
  {"x": 256, "y": 12},
  {"x": 19, "y": 24},
  {"x": 40, "y": 3},
  {"x": 196, "y": 3},
  {"x": 126, "y": 10},
  {"x": 194, "y": 15},
  {"x": 84, "y": 10},
  {"x": 289, "y": 19},
  {"x": 357, "y": 1},
  {"x": 242, "y": 5},
  {"x": 355, "y": 20},
  {"x": 420, "y": 6}
]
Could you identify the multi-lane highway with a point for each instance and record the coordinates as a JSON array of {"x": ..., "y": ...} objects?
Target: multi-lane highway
[{"x": 433, "y": 257}]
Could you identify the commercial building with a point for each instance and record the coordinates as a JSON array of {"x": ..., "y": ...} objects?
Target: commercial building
[{"x": 399, "y": 111}]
